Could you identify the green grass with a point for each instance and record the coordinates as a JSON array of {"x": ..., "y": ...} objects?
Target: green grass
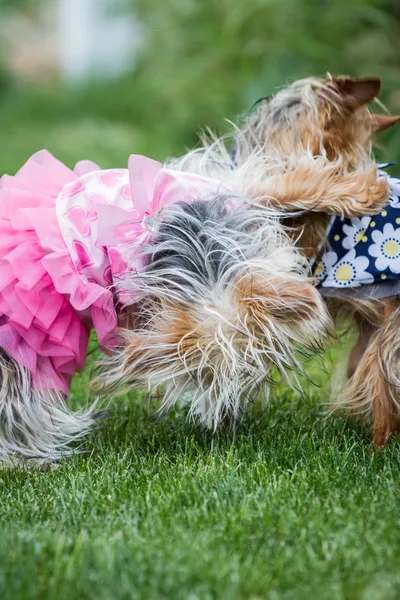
[{"x": 290, "y": 504}]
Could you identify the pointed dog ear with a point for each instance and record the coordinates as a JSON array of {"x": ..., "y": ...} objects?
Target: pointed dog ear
[
  {"x": 383, "y": 122},
  {"x": 357, "y": 92}
]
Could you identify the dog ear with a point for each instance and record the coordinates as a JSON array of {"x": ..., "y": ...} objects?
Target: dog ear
[
  {"x": 284, "y": 301},
  {"x": 383, "y": 122},
  {"x": 357, "y": 92}
]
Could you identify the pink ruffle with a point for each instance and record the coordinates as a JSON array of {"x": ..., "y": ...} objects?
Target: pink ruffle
[{"x": 44, "y": 303}]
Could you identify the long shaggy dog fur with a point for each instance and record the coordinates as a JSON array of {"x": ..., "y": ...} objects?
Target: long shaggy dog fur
[
  {"x": 225, "y": 296},
  {"x": 36, "y": 424},
  {"x": 306, "y": 148}
]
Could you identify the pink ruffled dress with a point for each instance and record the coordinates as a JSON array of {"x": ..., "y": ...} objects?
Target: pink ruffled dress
[{"x": 64, "y": 237}]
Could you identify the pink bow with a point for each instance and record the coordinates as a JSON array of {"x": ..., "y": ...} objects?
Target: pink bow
[{"x": 152, "y": 188}]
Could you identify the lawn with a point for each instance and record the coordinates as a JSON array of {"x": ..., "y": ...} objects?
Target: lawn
[{"x": 292, "y": 503}]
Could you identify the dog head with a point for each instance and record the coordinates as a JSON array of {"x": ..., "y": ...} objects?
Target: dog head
[
  {"x": 321, "y": 117},
  {"x": 224, "y": 297}
]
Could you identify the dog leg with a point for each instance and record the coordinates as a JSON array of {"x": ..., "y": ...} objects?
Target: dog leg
[
  {"x": 389, "y": 361},
  {"x": 366, "y": 330},
  {"x": 322, "y": 189},
  {"x": 368, "y": 392}
]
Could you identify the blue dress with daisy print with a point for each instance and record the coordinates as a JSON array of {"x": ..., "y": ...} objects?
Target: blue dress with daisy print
[{"x": 363, "y": 251}]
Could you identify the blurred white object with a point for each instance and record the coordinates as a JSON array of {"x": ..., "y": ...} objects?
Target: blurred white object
[
  {"x": 95, "y": 40},
  {"x": 73, "y": 40},
  {"x": 29, "y": 42}
]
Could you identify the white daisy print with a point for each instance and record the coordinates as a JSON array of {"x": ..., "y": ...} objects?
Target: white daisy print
[
  {"x": 350, "y": 271},
  {"x": 325, "y": 265},
  {"x": 386, "y": 248},
  {"x": 355, "y": 232}
]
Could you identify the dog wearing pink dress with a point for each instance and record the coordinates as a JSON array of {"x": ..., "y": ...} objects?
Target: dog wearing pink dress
[{"x": 156, "y": 261}]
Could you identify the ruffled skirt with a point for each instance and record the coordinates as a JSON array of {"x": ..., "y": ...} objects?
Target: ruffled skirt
[{"x": 46, "y": 308}]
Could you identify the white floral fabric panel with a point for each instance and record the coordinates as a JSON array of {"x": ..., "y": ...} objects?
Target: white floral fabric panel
[{"x": 78, "y": 216}]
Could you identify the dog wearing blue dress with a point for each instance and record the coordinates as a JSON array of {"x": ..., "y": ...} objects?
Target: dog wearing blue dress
[{"x": 314, "y": 141}]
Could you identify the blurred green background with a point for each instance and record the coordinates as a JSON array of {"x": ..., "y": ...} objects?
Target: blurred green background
[{"x": 201, "y": 62}]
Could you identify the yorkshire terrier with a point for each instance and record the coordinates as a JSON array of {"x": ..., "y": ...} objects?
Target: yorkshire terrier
[
  {"x": 190, "y": 289},
  {"x": 314, "y": 141}
]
